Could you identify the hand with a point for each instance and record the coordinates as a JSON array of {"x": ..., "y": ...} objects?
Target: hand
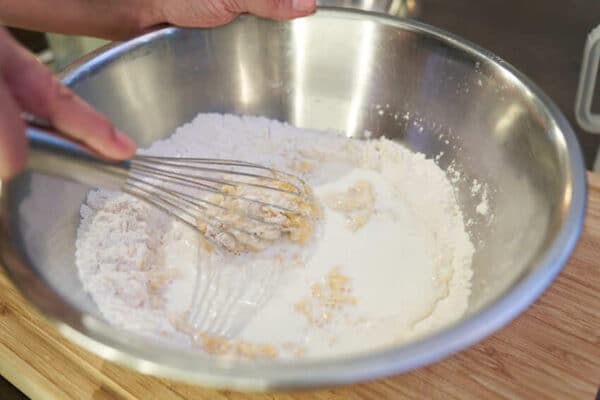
[
  {"x": 120, "y": 19},
  {"x": 27, "y": 85},
  {"x": 207, "y": 13}
]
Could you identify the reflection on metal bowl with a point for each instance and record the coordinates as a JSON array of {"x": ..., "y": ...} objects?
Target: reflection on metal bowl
[{"x": 397, "y": 8}]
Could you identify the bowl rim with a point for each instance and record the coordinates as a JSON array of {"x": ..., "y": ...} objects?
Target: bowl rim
[{"x": 147, "y": 357}]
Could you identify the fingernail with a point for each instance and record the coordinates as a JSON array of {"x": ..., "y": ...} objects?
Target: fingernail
[
  {"x": 125, "y": 141},
  {"x": 303, "y": 5}
]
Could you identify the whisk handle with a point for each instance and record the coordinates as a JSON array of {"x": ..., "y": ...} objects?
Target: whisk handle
[{"x": 51, "y": 153}]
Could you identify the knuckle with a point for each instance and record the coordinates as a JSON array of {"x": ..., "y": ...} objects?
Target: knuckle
[
  {"x": 61, "y": 92},
  {"x": 51, "y": 93},
  {"x": 233, "y": 6}
]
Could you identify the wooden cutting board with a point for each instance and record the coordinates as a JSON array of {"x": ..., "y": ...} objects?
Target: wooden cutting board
[{"x": 552, "y": 351}]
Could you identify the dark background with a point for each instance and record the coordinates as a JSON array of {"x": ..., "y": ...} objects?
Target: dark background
[{"x": 542, "y": 38}]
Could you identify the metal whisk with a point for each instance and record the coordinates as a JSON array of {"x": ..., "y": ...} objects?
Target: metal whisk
[{"x": 236, "y": 205}]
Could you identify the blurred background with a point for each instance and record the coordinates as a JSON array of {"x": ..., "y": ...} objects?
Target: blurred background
[{"x": 542, "y": 38}]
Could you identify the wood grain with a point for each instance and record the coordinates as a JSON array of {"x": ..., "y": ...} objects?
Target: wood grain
[{"x": 551, "y": 352}]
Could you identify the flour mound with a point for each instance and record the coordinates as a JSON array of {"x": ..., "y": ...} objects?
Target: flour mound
[{"x": 390, "y": 259}]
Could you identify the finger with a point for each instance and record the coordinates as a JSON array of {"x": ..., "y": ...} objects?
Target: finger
[
  {"x": 208, "y": 13},
  {"x": 38, "y": 92},
  {"x": 13, "y": 145},
  {"x": 277, "y": 9}
]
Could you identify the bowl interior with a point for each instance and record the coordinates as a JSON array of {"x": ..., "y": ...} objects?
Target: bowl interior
[{"x": 349, "y": 72}]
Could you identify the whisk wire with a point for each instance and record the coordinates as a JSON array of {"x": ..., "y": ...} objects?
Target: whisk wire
[
  {"x": 174, "y": 178},
  {"x": 223, "y": 199},
  {"x": 182, "y": 206},
  {"x": 238, "y": 217},
  {"x": 155, "y": 164}
]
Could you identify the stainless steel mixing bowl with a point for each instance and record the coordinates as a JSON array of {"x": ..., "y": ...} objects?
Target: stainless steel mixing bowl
[{"x": 357, "y": 73}]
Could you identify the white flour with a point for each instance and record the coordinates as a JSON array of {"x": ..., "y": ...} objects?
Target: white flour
[{"x": 390, "y": 260}]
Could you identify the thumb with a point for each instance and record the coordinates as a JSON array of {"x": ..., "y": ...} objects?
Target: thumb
[{"x": 277, "y": 9}]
